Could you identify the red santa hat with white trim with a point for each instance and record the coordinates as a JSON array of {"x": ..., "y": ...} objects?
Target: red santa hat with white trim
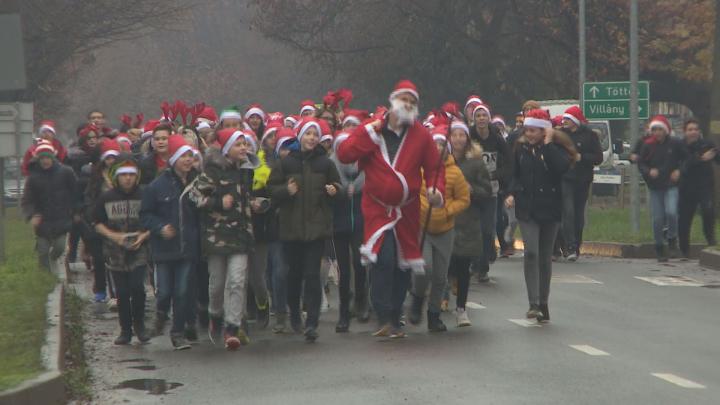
[
  {"x": 354, "y": 116},
  {"x": 305, "y": 124},
  {"x": 108, "y": 148},
  {"x": 575, "y": 114},
  {"x": 307, "y": 105},
  {"x": 292, "y": 120},
  {"x": 326, "y": 133},
  {"x": 271, "y": 128},
  {"x": 473, "y": 99},
  {"x": 47, "y": 125},
  {"x": 44, "y": 147},
  {"x": 177, "y": 147},
  {"x": 439, "y": 133},
  {"x": 284, "y": 135},
  {"x": 405, "y": 86},
  {"x": 482, "y": 106},
  {"x": 538, "y": 119},
  {"x": 255, "y": 109},
  {"x": 660, "y": 121},
  {"x": 149, "y": 128}
]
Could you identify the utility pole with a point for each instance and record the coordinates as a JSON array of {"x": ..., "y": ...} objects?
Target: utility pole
[
  {"x": 581, "y": 41},
  {"x": 634, "y": 122}
]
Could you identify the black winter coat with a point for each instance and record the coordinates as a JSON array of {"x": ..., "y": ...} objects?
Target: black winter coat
[
  {"x": 536, "y": 182},
  {"x": 53, "y": 194},
  {"x": 587, "y": 144},
  {"x": 497, "y": 156},
  {"x": 666, "y": 156},
  {"x": 697, "y": 175}
]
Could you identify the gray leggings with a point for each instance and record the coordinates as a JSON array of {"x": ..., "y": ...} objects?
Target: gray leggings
[{"x": 537, "y": 263}]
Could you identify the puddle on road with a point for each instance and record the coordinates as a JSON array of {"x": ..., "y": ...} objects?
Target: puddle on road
[
  {"x": 712, "y": 286},
  {"x": 153, "y": 386},
  {"x": 137, "y": 360}
]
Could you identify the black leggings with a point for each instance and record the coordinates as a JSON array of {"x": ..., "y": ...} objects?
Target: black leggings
[
  {"x": 460, "y": 269},
  {"x": 304, "y": 277}
]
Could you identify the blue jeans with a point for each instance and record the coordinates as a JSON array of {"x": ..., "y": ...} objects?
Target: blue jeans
[
  {"x": 173, "y": 281},
  {"x": 277, "y": 271},
  {"x": 388, "y": 283},
  {"x": 664, "y": 209}
]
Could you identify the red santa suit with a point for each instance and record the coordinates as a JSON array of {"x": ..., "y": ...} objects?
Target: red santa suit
[{"x": 390, "y": 194}]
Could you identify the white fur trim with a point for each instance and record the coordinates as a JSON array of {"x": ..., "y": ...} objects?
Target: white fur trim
[
  {"x": 659, "y": 124},
  {"x": 442, "y": 199},
  {"x": 146, "y": 135},
  {"x": 47, "y": 128},
  {"x": 230, "y": 114},
  {"x": 255, "y": 110},
  {"x": 267, "y": 133},
  {"x": 366, "y": 250},
  {"x": 326, "y": 138},
  {"x": 473, "y": 100},
  {"x": 251, "y": 140},
  {"x": 280, "y": 142},
  {"x": 233, "y": 138},
  {"x": 460, "y": 125},
  {"x": 400, "y": 91},
  {"x": 352, "y": 119},
  {"x": 307, "y": 108},
  {"x": 126, "y": 170},
  {"x": 109, "y": 153},
  {"x": 306, "y": 127},
  {"x": 203, "y": 125},
  {"x": 537, "y": 122},
  {"x": 291, "y": 119},
  {"x": 481, "y": 107},
  {"x": 572, "y": 118},
  {"x": 181, "y": 151},
  {"x": 342, "y": 137},
  {"x": 373, "y": 135}
]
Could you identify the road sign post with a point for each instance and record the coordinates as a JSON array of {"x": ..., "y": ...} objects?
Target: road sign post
[{"x": 611, "y": 100}]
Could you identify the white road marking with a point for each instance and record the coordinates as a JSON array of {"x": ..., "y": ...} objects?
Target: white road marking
[
  {"x": 590, "y": 350},
  {"x": 674, "y": 281},
  {"x": 679, "y": 381},
  {"x": 574, "y": 279},
  {"x": 474, "y": 305},
  {"x": 526, "y": 323}
]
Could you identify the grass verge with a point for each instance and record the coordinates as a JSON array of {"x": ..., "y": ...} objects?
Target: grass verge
[
  {"x": 23, "y": 294},
  {"x": 77, "y": 372}
]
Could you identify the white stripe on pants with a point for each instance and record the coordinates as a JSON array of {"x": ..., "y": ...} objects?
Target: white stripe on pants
[{"x": 227, "y": 286}]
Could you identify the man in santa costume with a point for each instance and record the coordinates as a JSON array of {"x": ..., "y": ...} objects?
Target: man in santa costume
[{"x": 395, "y": 151}]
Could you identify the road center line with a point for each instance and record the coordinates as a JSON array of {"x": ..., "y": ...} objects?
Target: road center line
[
  {"x": 587, "y": 349},
  {"x": 679, "y": 381}
]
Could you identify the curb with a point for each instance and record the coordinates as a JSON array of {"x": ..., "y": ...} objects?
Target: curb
[
  {"x": 710, "y": 259},
  {"x": 630, "y": 251},
  {"x": 49, "y": 386}
]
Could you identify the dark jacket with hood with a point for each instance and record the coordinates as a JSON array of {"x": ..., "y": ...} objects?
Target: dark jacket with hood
[
  {"x": 497, "y": 156},
  {"x": 591, "y": 154},
  {"x": 307, "y": 215},
  {"x": 697, "y": 174},
  {"x": 119, "y": 211},
  {"x": 538, "y": 174},
  {"x": 666, "y": 156},
  {"x": 347, "y": 216},
  {"x": 225, "y": 232},
  {"x": 53, "y": 194},
  {"x": 166, "y": 202},
  {"x": 468, "y": 228}
]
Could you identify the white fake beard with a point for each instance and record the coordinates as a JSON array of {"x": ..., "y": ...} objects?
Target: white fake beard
[{"x": 405, "y": 116}]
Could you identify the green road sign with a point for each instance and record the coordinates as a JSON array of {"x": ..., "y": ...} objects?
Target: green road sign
[
  {"x": 614, "y": 109},
  {"x": 611, "y": 100}
]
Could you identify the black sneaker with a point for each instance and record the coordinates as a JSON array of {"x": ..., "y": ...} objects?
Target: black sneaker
[
  {"x": 434, "y": 322},
  {"x": 362, "y": 310},
  {"x": 673, "y": 251},
  {"x": 416, "y": 310},
  {"x": 544, "y": 316},
  {"x": 191, "y": 334},
  {"x": 311, "y": 335},
  {"x": 140, "y": 332},
  {"x": 661, "y": 255},
  {"x": 296, "y": 323},
  {"x": 179, "y": 343},
  {"x": 343, "y": 323},
  {"x": 124, "y": 338},
  {"x": 534, "y": 312}
]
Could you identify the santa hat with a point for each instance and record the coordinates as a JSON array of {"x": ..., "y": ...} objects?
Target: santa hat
[
  {"x": 227, "y": 137},
  {"x": 251, "y": 139},
  {"x": 307, "y": 105},
  {"x": 429, "y": 121},
  {"x": 230, "y": 113},
  {"x": 44, "y": 148},
  {"x": 354, "y": 116},
  {"x": 557, "y": 121},
  {"x": 474, "y": 100},
  {"x": 498, "y": 119},
  {"x": 177, "y": 146},
  {"x": 149, "y": 128},
  {"x": 124, "y": 142},
  {"x": 255, "y": 109},
  {"x": 283, "y": 136},
  {"x": 481, "y": 106},
  {"x": 203, "y": 125},
  {"x": 439, "y": 133},
  {"x": 660, "y": 121},
  {"x": 325, "y": 131},
  {"x": 341, "y": 137},
  {"x": 292, "y": 120},
  {"x": 85, "y": 131},
  {"x": 457, "y": 124},
  {"x": 405, "y": 86},
  {"x": 537, "y": 118},
  {"x": 307, "y": 123},
  {"x": 47, "y": 125},
  {"x": 109, "y": 147},
  {"x": 126, "y": 166},
  {"x": 208, "y": 114},
  {"x": 575, "y": 114},
  {"x": 380, "y": 111},
  {"x": 271, "y": 128}
]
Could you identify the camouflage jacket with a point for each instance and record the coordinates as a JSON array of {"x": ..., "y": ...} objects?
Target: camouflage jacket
[{"x": 224, "y": 231}]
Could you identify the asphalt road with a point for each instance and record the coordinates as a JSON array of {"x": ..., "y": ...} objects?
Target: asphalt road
[{"x": 624, "y": 331}]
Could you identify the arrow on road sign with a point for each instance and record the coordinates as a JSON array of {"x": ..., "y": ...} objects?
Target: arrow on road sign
[{"x": 594, "y": 90}]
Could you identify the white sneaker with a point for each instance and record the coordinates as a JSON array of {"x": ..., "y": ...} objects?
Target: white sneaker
[
  {"x": 462, "y": 318},
  {"x": 112, "y": 305}
]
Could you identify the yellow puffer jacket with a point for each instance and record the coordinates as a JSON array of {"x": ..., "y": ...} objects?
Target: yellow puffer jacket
[
  {"x": 457, "y": 200},
  {"x": 262, "y": 173}
]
